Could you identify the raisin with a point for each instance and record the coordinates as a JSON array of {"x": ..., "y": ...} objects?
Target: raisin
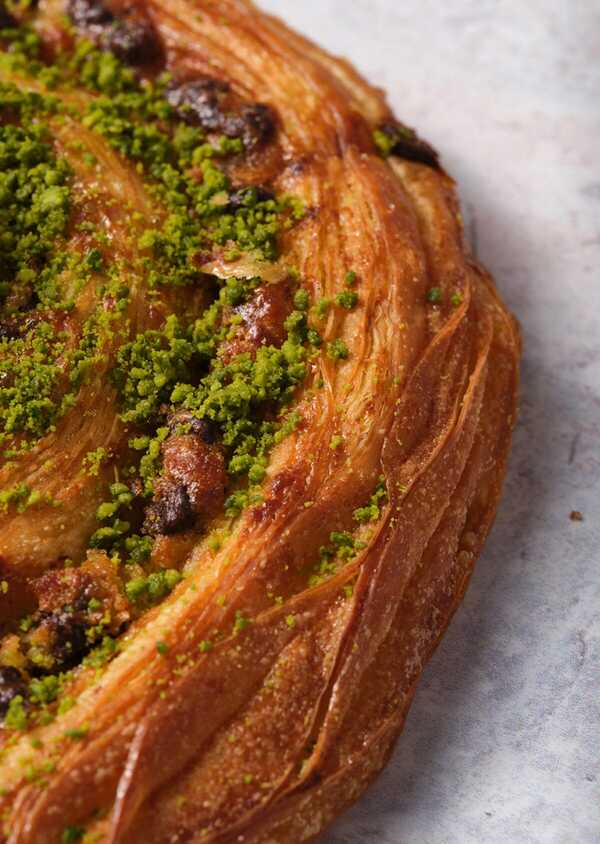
[
  {"x": 199, "y": 467},
  {"x": 131, "y": 39},
  {"x": 407, "y": 144},
  {"x": 134, "y": 42},
  {"x": 255, "y": 125},
  {"x": 171, "y": 513},
  {"x": 199, "y": 102},
  {"x": 211, "y": 104},
  {"x": 70, "y": 643}
]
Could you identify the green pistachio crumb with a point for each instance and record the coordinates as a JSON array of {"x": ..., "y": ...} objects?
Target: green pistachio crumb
[
  {"x": 348, "y": 299},
  {"x": 241, "y": 623},
  {"x": 322, "y": 307},
  {"x": 372, "y": 511},
  {"x": 77, "y": 733},
  {"x": 301, "y": 300},
  {"x": 72, "y": 834},
  {"x": 434, "y": 295},
  {"x": 337, "y": 349}
]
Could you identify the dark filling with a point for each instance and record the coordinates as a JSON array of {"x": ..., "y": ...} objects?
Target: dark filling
[
  {"x": 134, "y": 42},
  {"x": 170, "y": 514},
  {"x": 67, "y": 639},
  {"x": 204, "y": 396},
  {"x": 131, "y": 39},
  {"x": 9, "y": 330},
  {"x": 241, "y": 197},
  {"x": 193, "y": 483},
  {"x": 12, "y": 684},
  {"x": 210, "y": 103},
  {"x": 405, "y": 143},
  {"x": 6, "y": 19}
]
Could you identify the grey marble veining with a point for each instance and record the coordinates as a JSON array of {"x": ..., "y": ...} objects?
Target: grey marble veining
[{"x": 502, "y": 745}]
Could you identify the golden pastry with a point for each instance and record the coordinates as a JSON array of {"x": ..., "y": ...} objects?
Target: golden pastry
[{"x": 256, "y": 400}]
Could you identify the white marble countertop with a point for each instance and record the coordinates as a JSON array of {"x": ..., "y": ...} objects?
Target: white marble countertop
[{"x": 503, "y": 742}]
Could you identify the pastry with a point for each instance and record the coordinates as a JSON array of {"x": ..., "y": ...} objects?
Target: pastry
[{"x": 256, "y": 401}]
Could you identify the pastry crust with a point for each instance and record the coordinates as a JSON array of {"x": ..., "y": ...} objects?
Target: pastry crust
[{"x": 284, "y": 721}]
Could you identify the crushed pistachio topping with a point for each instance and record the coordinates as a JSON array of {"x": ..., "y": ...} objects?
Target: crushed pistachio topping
[
  {"x": 337, "y": 349},
  {"x": 372, "y": 511},
  {"x": 348, "y": 299},
  {"x": 135, "y": 321},
  {"x": 345, "y": 545}
]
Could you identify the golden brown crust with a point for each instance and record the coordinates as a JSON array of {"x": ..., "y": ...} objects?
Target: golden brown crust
[{"x": 271, "y": 733}]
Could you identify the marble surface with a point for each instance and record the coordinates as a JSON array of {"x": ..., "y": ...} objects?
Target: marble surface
[{"x": 502, "y": 745}]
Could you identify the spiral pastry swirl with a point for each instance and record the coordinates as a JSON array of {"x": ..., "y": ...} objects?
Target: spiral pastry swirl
[{"x": 256, "y": 400}]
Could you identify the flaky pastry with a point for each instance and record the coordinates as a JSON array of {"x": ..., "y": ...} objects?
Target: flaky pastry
[{"x": 256, "y": 400}]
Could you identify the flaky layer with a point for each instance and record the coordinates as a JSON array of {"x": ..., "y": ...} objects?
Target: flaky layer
[{"x": 272, "y": 732}]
